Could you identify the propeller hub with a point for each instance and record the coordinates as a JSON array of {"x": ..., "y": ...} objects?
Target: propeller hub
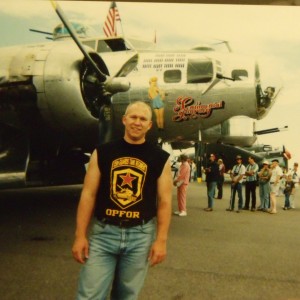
[{"x": 117, "y": 85}]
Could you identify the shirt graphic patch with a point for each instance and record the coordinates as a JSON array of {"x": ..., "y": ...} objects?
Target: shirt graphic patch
[{"x": 127, "y": 180}]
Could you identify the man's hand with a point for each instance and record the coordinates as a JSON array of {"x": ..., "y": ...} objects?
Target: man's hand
[
  {"x": 80, "y": 250},
  {"x": 158, "y": 252}
]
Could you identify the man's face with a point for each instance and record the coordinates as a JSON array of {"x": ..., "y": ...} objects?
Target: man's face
[
  {"x": 274, "y": 164},
  {"x": 137, "y": 122},
  {"x": 212, "y": 157}
]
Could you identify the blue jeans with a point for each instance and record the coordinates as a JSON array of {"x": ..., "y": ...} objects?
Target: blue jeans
[
  {"x": 264, "y": 193},
  {"x": 211, "y": 186},
  {"x": 118, "y": 262},
  {"x": 287, "y": 200},
  {"x": 236, "y": 188}
]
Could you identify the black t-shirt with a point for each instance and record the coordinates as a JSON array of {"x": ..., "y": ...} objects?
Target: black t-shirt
[
  {"x": 289, "y": 185},
  {"x": 214, "y": 173},
  {"x": 128, "y": 185}
]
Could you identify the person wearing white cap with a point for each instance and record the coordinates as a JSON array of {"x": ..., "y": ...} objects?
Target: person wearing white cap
[
  {"x": 264, "y": 176},
  {"x": 274, "y": 182},
  {"x": 237, "y": 174}
]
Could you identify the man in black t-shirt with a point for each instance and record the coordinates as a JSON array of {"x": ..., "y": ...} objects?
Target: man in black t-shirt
[
  {"x": 212, "y": 175},
  {"x": 128, "y": 183}
]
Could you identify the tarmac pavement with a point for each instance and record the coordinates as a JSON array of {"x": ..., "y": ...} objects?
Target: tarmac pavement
[{"x": 211, "y": 255}]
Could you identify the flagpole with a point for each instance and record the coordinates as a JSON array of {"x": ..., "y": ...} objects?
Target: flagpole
[
  {"x": 120, "y": 20},
  {"x": 122, "y": 29}
]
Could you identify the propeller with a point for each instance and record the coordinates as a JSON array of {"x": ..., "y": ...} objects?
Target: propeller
[
  {"x": 96, "y": 85},
  {"x": 96, "y": 72},
  {"x": 73, "y": 34},
  {"x": 286, "y": 154}
]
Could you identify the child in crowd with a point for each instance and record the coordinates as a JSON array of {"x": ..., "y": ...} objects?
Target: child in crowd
[{"x": 288, "y": 191}]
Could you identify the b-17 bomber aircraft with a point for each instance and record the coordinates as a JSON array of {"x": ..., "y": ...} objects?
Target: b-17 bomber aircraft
[{"x": 61, "y": 98}]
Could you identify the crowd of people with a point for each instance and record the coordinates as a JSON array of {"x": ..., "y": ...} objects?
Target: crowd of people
[{"x": 270, "y": 180}]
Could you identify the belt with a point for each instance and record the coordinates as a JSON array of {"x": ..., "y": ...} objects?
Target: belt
[
  {"x": 124, "y": 223},
  {"x": 272, "y": 182}
]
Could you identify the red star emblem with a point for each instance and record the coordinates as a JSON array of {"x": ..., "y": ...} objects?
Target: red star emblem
[{"x": 127, "y": 179}]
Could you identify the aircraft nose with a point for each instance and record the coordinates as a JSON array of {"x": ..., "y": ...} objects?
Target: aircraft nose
[{"x": 268, "y": 88}]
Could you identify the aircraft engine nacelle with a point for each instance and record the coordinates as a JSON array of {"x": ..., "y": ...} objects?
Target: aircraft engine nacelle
[
  {"x": 234, "y": 131},
  {"x": 61, "y": 88}
]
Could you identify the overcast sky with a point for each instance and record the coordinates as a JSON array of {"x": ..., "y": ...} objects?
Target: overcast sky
[{"x": 269, "y": 33}]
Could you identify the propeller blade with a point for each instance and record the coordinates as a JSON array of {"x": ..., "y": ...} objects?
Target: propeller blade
[
  {"x": 128, "y": 66},
  {"x": 73, "y": 34}
]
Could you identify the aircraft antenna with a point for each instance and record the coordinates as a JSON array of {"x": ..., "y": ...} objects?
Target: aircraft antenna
[{"x": 43, "y": 32}]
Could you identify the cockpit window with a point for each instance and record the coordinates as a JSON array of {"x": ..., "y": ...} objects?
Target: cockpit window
[
  {"x": 112, "y": 45},
  {"x": 199, "y": 71},
  {"x": 172, "y": 76}
]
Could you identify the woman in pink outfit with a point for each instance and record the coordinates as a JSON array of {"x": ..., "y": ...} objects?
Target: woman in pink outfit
[{"x": 182, "y": 182}]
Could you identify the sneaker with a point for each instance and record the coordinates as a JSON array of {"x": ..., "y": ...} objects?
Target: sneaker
[
  {"x": 208, "y": 209},
  {"x": 229, "y": 209},
  {"x": 182, "y": 214},
  {"x": 253, "y": 209},
  {"x": 176, "y": 213},
  {"x": 239, "y": 210},
  {"x": 285, "y": 208}
]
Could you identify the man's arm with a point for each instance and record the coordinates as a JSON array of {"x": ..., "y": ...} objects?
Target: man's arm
[
  {"x": 164, "y": 194},
  {"x": 248, "y": 172},
  {"x": 85, "y": 210},
  {"x": 241, "y": 173},
  {"x": 278, "y": 175}
]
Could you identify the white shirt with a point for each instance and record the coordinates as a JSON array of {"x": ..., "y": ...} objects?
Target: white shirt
[
  {"x": 239, "y": 170},
  {"x": 295, "y": 176},
  {"x": 275, "y": 173}
]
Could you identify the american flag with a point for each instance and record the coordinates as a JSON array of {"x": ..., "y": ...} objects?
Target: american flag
[{"x": 110, "y": 26}]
